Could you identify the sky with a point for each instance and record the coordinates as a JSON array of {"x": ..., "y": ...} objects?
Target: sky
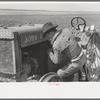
[{"x": 52, "y": 6}]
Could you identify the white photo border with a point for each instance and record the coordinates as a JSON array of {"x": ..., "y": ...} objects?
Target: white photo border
[{"x": 70, "y": 90}]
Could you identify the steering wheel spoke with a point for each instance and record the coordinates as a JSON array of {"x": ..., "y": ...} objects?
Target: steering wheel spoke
[
  {"x": 77, "y": 20},
  {"x": 81, "y": 24}
]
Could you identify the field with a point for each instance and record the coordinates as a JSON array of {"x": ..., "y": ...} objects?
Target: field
[{"x": 63, "y": 20}]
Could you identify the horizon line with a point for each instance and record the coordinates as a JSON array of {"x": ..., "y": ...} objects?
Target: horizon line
[{"x": 44, "y": 10}]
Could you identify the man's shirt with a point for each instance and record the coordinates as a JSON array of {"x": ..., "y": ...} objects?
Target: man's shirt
[{"x": 64, "y": 41}]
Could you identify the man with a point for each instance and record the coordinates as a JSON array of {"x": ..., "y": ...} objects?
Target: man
[{"x": 64, "y": 46}]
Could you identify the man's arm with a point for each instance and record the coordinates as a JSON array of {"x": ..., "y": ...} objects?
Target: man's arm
[
  {"x": 68, "y": 70},
  {"x": 55, "y": 56}
]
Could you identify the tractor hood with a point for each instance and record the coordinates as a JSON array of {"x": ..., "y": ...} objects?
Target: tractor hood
[{"x": 27, "y": 34}]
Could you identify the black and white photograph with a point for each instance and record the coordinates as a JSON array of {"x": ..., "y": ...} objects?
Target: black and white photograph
[
  {"x": 49, "y": 42},
  {"x": 49, "y": 49}
]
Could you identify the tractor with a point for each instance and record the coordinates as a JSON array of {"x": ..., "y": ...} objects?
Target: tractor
[{"x": 24, "y": 57}]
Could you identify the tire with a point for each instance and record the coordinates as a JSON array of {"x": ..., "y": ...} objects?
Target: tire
[{"x": 50, "y": 77}]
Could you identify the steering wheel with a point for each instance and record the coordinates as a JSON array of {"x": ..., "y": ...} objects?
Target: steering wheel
[{"x": 76, "y": 22}]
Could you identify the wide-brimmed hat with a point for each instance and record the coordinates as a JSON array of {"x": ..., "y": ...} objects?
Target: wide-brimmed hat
[{"x": 47, "y": 27}]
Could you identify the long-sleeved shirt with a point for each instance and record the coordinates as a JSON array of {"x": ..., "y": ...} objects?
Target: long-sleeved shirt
[{"x": 63, "y": 41}]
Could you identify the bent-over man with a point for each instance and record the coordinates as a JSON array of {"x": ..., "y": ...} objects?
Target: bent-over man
[{"x": 64, "y": 46}]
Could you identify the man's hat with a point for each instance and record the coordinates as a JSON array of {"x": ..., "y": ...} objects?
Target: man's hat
[{"x": 48, "y": 26}]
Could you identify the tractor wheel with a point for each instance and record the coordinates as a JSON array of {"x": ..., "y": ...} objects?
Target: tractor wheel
[{"x": 50, "y": 77}]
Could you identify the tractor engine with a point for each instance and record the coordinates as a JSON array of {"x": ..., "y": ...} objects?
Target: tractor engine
[{"x": 23, "y": 53}]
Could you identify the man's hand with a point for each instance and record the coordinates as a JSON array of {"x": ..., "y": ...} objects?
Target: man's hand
[
  {"x": 77, "y": 39},
  {"x": 50, "y": 50},
  {"x": 51, "y": 54}
]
